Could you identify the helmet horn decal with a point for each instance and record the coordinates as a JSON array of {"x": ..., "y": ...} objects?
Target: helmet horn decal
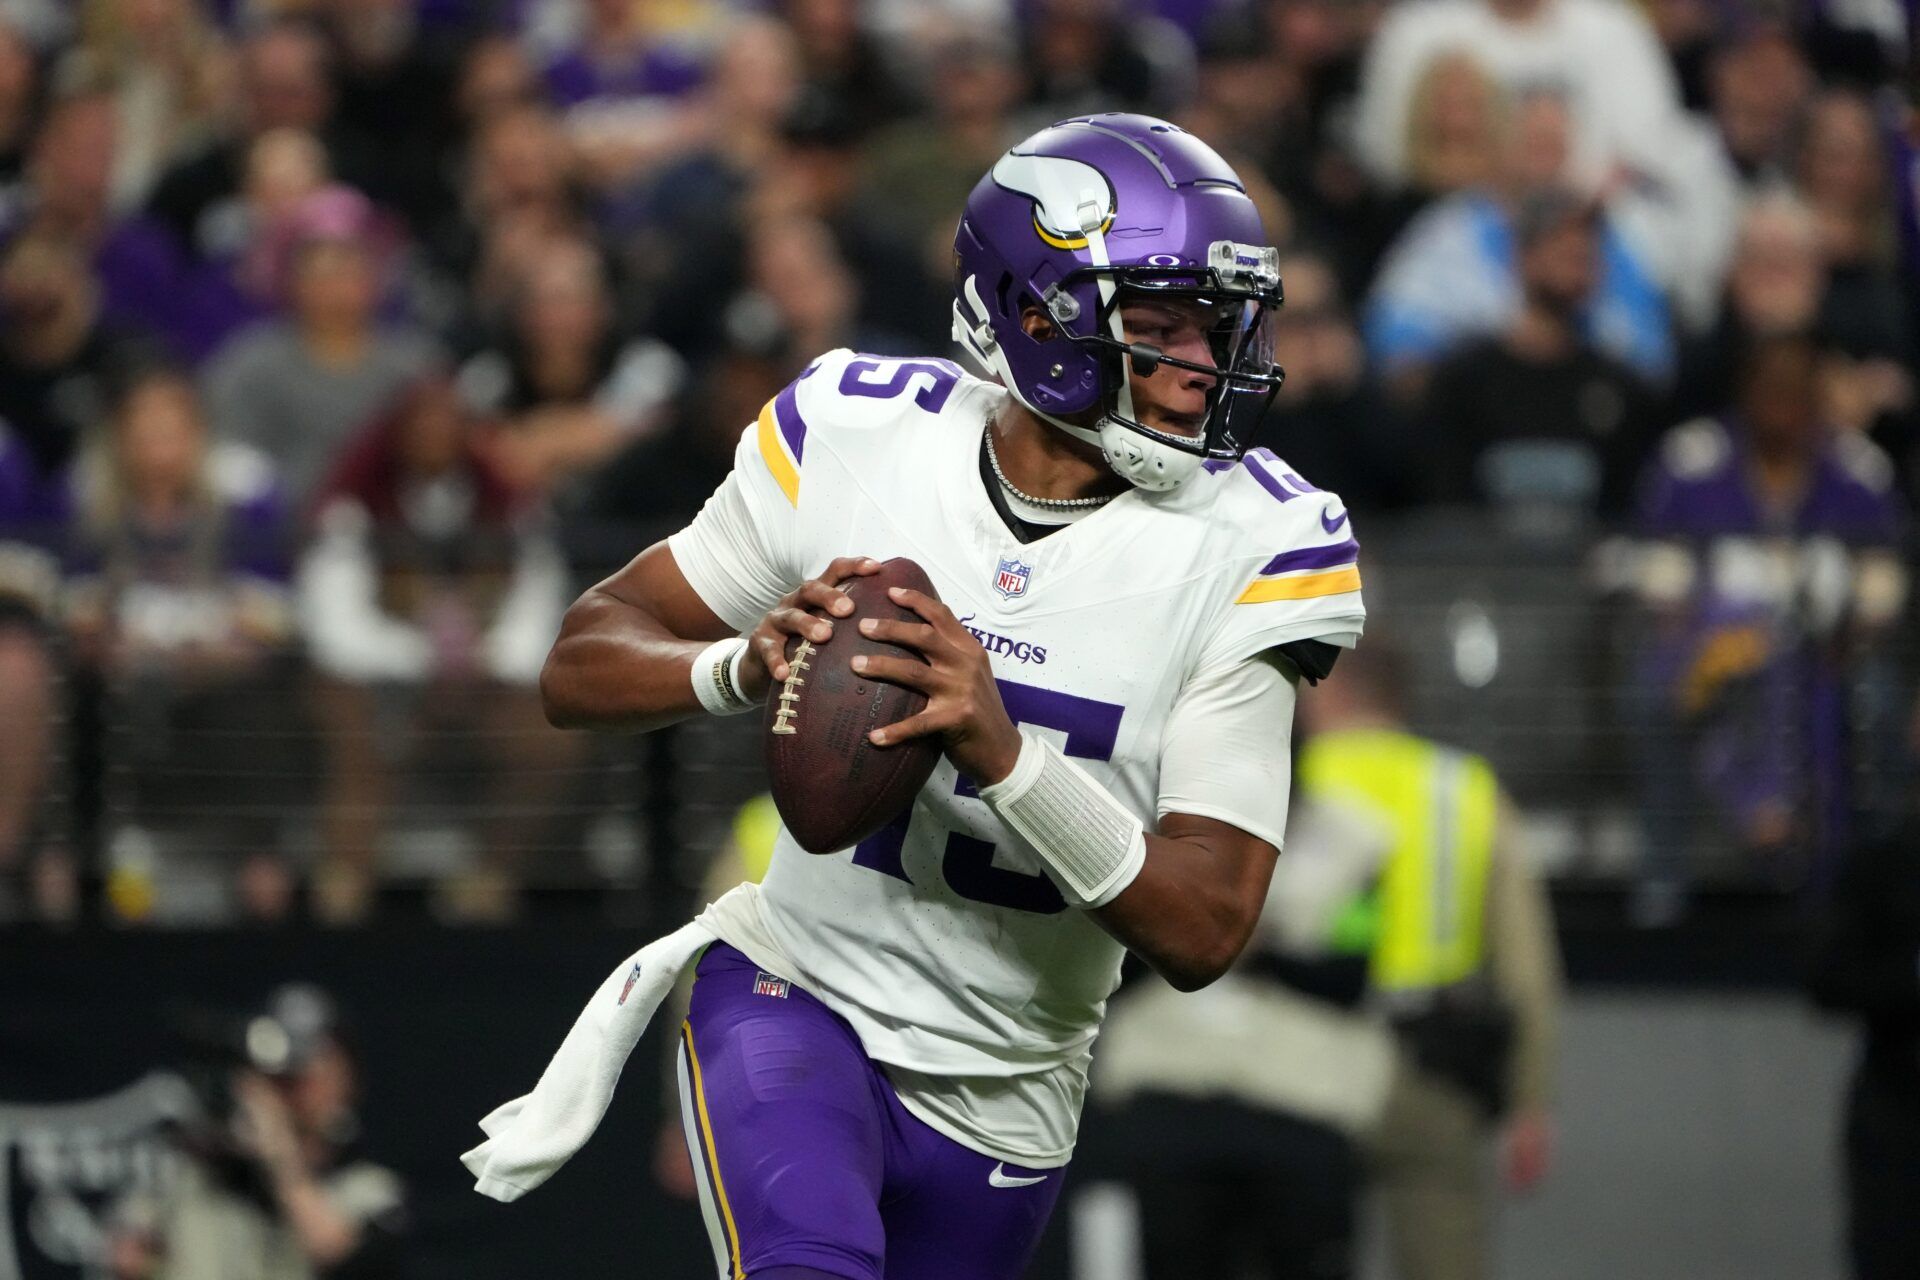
[{"x": 1058, "y": 187}]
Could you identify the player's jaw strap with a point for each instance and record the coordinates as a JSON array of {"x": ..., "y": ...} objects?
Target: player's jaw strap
[{"x": 1092, "y": 844}]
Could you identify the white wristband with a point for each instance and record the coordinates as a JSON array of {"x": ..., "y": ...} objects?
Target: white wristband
[
  {"x": 1093, "y": 844},
  {"x": 716, "y": 677}
]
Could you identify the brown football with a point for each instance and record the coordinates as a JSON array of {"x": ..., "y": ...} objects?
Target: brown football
[{"x": 832, "y": 786}]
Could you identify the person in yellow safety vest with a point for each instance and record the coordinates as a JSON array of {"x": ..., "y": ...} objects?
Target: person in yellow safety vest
[{"x": 1462, "y": 961}]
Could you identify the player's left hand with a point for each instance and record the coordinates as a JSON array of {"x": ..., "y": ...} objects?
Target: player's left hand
[{"x": 963, "y": 702}]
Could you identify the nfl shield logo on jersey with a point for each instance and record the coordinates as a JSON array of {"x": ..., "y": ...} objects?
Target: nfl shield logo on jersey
[{"x": 1010, "y": 579}]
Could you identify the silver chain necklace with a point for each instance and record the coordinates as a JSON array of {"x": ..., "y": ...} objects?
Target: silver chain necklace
[{"x": 1050, "y": 504}]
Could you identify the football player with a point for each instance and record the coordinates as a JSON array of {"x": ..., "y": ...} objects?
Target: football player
[{"x": 883, "y": 1066}]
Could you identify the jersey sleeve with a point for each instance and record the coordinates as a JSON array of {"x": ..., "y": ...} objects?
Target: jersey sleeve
[
  {"x": 1224, "y": 753},
  {"x": 1307, "y": 587},
  {"x": 742, "y": 552}
]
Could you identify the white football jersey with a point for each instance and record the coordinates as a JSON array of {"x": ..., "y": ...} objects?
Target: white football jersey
[{"x": 941, "y": 939}]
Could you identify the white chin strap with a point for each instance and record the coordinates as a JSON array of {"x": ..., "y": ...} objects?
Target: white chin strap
[{"x": 1141, "y": 461}]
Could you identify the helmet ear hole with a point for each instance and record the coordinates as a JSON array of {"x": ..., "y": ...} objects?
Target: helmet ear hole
[
  {"x": 1041, "y": 327},
  {"x": 1000, "y": 292}
]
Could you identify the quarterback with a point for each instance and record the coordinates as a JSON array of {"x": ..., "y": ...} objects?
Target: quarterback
[{"x": 883, "y": 1066}]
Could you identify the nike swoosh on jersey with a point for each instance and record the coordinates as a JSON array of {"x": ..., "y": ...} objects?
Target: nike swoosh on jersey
[
  {"x": 1332, "y": 526},
  {"x": 1000, "y": 1178}
]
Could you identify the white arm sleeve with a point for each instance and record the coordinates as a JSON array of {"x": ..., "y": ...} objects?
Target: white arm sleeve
[
  {"x": 1225, "y": 751},
  {"x": 739, "y": 553}
]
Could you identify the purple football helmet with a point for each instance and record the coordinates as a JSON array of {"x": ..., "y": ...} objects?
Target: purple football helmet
[{"x": 1078, "y": 219}]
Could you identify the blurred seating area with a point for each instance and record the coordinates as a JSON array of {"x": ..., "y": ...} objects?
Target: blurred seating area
[{"x": 343, "y": 342}]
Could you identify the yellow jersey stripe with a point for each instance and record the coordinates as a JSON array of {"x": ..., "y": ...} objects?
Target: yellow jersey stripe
[
  {"x": 775, "y": 455},
  {"x": 1305, "y": 587},
  {"x": 706, "y": 1132}
]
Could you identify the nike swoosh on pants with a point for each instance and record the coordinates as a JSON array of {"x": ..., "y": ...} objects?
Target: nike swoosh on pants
[{"x": 1001, "y": 1178}]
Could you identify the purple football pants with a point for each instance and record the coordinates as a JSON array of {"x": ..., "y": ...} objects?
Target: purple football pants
[{"x": 806, "y": 1158}]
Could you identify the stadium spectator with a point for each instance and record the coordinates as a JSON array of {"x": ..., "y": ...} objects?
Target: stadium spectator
[
  {"x": 618, "y": 58},
  {"x": 1454, "y": 129},
  {"x": 234, "y": 281},
  {"x": 55, "y": 351},
  {"x": 1770, "y": 568},
  {"x": 1760, "y": 89},
  {"x": 176, "y": 601},
  {"x": 393, "y": 77},
  {"x": 280, "y": 1187},
  {"x": 283, "y": 85},
  {"x": 627, "y": 90},
  {"x": 519, "y": 163},
  {"x": 799, "y": 294},
  {"x": 919, "y": 169},
  {"x": 68, "y": 195},
  {"x": 1317, "y": 48},
  {"x": 172, "y": 78},
  {"x": 1453, "y": 274},
  {"x": 815, "y": 176},
  {"x": 1328, "y": 421},
  {"x": 1620, "y": 91},
  {"x": 1776, "y": 285},
  {"x": 1092, "y": 55},
  {"x": 1456, "y": 144},
  {"x": 654, "y": 486},
  {"x": 518, "y": 192},
  {"x": 297, "y": 387},
  {"x": 680, "y": 225},
  {"x": 496, "y": 75},
  {"x": 843, "y": 62},
  {"x": 427, "y": 600},
  {"x": 1842, "y": 174},
  {"x": 1244, "y": 100},
  {"x": 1627, "y": 139},
  {"x": 568, "y": 390},
  {"x": 1462, "y": 962},
  {"x": 1538, "y": 421}
]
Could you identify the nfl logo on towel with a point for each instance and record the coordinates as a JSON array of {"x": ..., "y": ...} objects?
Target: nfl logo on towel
[
  {"x": 632, "y": 978},
  {"x": 1010, "y": 579},
  {"x": 765, "y": 984}
]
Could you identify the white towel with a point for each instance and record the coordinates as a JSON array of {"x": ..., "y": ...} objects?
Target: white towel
[{"x": 532, "y": 1136}]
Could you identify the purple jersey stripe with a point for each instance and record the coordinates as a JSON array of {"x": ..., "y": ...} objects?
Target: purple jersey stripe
[
  {"x": 1314, "y": 557},
  {"x": 786, "y": 412}
]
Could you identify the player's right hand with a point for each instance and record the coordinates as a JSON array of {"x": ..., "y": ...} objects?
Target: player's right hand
[{"x": 766, "y": 660}]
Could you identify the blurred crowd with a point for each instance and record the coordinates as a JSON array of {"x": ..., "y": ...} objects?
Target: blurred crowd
[{"x": 343, "y": 341}]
